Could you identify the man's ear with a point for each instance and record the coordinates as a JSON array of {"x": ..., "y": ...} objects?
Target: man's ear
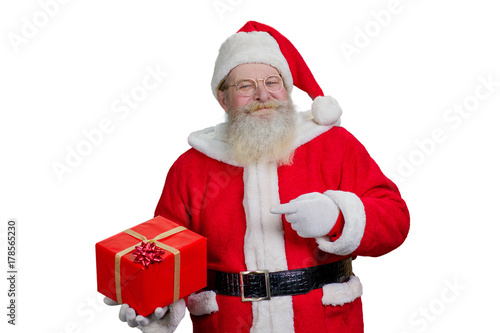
[{"x": 222, "y": 100}]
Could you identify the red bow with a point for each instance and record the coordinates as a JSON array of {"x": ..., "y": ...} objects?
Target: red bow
[{"x": 148, "y": 253}]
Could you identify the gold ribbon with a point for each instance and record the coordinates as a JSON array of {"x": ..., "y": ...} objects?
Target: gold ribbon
[{"x": 174, "y": 251}]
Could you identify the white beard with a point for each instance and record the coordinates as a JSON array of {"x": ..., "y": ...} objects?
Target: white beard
[{"x": 269, "y": 138}]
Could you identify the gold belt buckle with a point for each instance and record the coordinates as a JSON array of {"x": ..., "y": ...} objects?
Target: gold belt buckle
[{"x": 255, "y": 299}]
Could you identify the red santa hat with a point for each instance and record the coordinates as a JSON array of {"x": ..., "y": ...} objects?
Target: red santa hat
[{"x": 259, "y": 43}]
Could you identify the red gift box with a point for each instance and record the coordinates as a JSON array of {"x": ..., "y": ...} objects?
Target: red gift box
[{"x": 182, "y": 271}]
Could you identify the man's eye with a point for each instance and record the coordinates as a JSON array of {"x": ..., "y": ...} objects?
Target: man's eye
[
  {"x": 245, "y": 85},
  {"x": 272, "y": 81}
]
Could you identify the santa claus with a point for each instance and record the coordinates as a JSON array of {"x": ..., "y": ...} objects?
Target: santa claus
[{"x": 286, "y": 200}]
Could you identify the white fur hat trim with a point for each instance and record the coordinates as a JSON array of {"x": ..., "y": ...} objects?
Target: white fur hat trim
[{"x": 250, "y": 47}]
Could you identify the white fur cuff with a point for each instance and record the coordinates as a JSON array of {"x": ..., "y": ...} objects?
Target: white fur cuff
[
  {"x": 203, "y": 303},
  {"x": 354, "y": 227},
  {"x": 342, "y": 293}
]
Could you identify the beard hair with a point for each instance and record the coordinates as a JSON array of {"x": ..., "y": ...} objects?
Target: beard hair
[{"x": 268, "y": 138}]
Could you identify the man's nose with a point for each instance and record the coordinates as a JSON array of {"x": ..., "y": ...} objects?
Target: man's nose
[{"x": 261, "y": 94}]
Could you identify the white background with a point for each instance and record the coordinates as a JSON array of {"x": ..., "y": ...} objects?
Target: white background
[{"x": 68, "y": 74}]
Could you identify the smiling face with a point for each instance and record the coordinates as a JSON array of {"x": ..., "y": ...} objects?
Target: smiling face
[
  {"x": 261, "y": 127},
  {"x": 232, "y": 99}
]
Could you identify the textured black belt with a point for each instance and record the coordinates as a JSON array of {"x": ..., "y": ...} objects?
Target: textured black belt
[{"x": 262, "y": 285}]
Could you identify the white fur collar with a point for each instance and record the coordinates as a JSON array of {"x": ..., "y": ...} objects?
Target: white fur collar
[{"x": 212, "y": 141}]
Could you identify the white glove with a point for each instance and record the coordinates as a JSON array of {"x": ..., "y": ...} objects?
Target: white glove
[
  {"x": 163, "y": 320},
  {"x": 311, "y": 214}
]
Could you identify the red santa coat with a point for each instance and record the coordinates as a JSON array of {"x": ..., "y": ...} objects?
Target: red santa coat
[{"x": 208, "y": 192}]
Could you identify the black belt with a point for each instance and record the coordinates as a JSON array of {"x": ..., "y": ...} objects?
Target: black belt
[{"x": 261, "y": 285}]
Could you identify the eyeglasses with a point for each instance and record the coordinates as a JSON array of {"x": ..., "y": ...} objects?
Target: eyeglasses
[{"x": 248, "y": 87}]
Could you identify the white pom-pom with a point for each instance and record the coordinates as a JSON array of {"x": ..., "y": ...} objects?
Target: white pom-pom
[{"x": 326, "y": 110}]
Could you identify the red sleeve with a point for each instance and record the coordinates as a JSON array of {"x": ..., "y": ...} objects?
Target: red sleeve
[
  {"x": 173, "y": 203},
  {"x": 376, "y": 218},
  {"x": 387, "y": 216}
]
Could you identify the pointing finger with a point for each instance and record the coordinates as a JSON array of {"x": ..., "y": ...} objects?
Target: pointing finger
[{"x": 288, "y": 208}]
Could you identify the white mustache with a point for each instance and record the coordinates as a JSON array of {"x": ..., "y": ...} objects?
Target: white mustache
[{"x": 256, "y": 106}]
